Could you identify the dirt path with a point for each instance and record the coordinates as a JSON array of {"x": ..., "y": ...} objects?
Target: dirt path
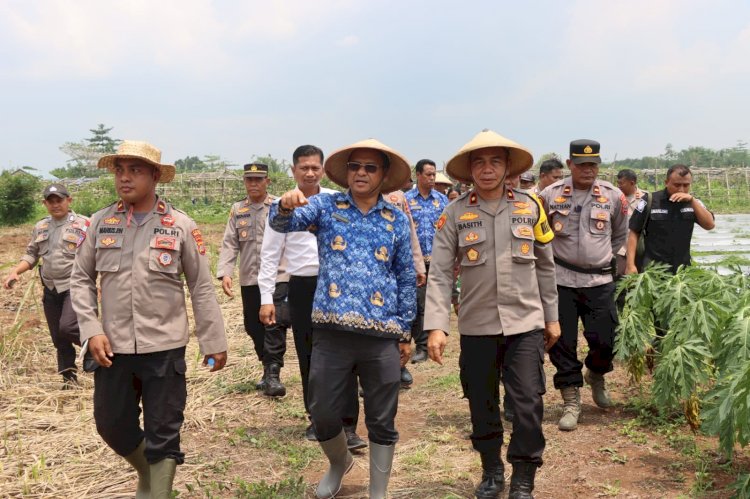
[{"x": 241, "y": 444}]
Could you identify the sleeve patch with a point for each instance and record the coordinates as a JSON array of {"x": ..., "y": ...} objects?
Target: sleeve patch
[
  {"x": 623, "y": 204},
  {"x": 441, "y": 221},
  {"x": 641, "y": 205},
  {"x": 199, "y": 241}
]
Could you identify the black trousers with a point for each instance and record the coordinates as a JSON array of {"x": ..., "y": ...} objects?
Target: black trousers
[
  {"x": 417, "y": 327},
  {"x": 336, "y": 356},
  {"x": 596, "y": 309},
  {"x": 519, "y": 358},
  {"x": 301, "y": 295},
  {"x": 157, "y": 380},
  {"x": 63, "y": 327},
  {"x": 269, "y": 342}
]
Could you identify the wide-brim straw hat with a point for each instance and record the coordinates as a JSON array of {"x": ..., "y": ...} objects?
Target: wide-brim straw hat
[
  {"x": 459, "y": 166},
  {"x": 135, "y": 149},
  {"x": 398, "y": 173},
  {"x": 442, "y": 178}
]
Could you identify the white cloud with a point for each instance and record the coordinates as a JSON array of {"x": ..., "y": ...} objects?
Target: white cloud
[{"x": 348, "y": 41}]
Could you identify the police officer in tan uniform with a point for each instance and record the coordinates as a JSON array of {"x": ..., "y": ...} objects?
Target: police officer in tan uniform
[
  {"x": 589, "y": 217},
  {"x": 55, "y": 240},
  {"x": 508, "y": 313},
  {"x": 244, "y": 237},
  {"x": 140, "y": 247}
]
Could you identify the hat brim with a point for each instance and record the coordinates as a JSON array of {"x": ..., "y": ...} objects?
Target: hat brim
[
  {"x": 579, "y": 160},
  {"x": 109, "y": 161},
  {"x": 520, "y": 158},
  {"x": 398, "y": 173}
]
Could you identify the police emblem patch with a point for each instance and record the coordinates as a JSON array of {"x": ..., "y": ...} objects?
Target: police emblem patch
[
  {"x": 334, "y": 291},
  {"x": 441, "y": 221},
  {"x": 472, "y": 255},
  {"x": 71, "y": 246},
  {"x": 199, "y": 241},
  {"x": 381, "y": 254},
  {"x": 387, "y": 214},
  {"x": 393, "y": 198},
  {"x": 165, "y": 258},
  {"x": 558, "y": 226},
  {"x": 342, "y": 205},
  {"x": 167, "y": 220},
  {"x": 600, "y": 225},
  {"x": 377, "y": 299},
  {"x": 338, "y": 243},
  {"x": 525, "y": 248}
]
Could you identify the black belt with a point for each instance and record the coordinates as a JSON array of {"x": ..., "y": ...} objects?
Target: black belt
[{"x": 599, "y": 270}]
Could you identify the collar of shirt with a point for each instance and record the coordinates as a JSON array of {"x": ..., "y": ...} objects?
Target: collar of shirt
[{"x": 380, "y": 204}]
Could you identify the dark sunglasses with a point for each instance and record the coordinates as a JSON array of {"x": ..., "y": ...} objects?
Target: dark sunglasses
[{"x": 353, "y": 166}]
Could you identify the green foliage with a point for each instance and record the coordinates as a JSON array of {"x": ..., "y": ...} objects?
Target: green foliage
[
  {"x": 94, "y": 196},
  {"x": 100, "y": 140},
  {"x": 275, "y": 166},
  {"x": 289, "y": 488},
  {"x": 19, "y": 195},
  {"x": 85, "y": 154},
  {"x": 691, "y": 156},
  {"x": 705, "y": 351},
  {"x": 190, "y": 164}
]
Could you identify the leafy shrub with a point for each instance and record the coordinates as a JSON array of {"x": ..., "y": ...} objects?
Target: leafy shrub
[{"x": 19, "y": 195}]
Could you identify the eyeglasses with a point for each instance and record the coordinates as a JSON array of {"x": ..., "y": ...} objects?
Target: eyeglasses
[{"x": 353, "y": 166}]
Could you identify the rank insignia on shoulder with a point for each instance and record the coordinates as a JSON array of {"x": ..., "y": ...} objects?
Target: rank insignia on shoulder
[
  {"x": 120, "y": 206},
  {"x": 468, "y": 216},
  {"x": 387, "y": 214},
  {"x": 560, "y": 199},
  {"x": 441, "y": 221},
  {"x": 473, "y": 199},
  {"x": 199, "y": 241},
  {"x": 471, "y": 237},
  {"x": 597, "y": 191},
  {"x": 472, "y": 255},
  {"x": 338, "y": 243},
  {"x": 165, "y": 258},
  {"x": 510, "y": 194},
  {"x": 567, "y": 190},
  {"x": 334, "y": 291},
  {"x": 108, "y": 241},
  {"x": 641, "y": 205},
  {"x": 342, "y": 204},
  {"x": 381, "y": 254},
  {"x": 377, "y": 299},
  {"x": 167, "y": 220},
  {"x": 161, "y": 207},
  {"x": 112, "y": 221}
]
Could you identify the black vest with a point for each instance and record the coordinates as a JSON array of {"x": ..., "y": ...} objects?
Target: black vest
[{"x": 669, "y": 231}]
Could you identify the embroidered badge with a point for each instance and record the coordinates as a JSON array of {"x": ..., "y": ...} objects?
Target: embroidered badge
[
  {"x": 641, "y": 204},
  {"x": 624, "y": 204},
  {"x": 338, "y": 243},
  {"x": 108, "y": 241},
  {"x": 342, "y": 204},
  {"x": 244, "y": 209},
  {"x": 471, "y": 237},
  {"x": 71, "y": 246},
  {"x": 560, "y": 199},
  {"x": 242, "y": 222},
  {"x": 597, "y": 191},
  {"x": 75, "y": 225},
  {"x": 587, "y": 150},
  {"x": 43, "y": 226},
  {"x": 377, "y": 299},
  {"x": 166, "y": 243},
  {"x": 334, "y": 291},
  {"x": 165, "y": 258},
  {"x": 112, "y": 221},
  {"x": 413, "y": 202},
  {"x": 521, "y": 204},
  {"x": 599, "y": 225},
  {"x": 81, "y": 238},
  {"x": 602, "y": 199},
  {"x": 387, "y": 214},
  {"x": 601, "y": 216},
  {"x": 389, "y": 227},
  {"x": 472, "y": 255},
  {"x": 393, "y": 198},
  {"x": 558, "y": 226},
  {"x": 120, "y": 206},
  {"x": 525, "y": 248},
  {"x": 161, "y": 207},
  {"x": 436, "y": 203},
  {"x": 510, "y": 194},
  {"x": 468, "y": 216},
  {"x": 525, "y": 231},
  {"x": 381, "y": 254},
  {"x": 567, "y": 190},
  {"x": 441, "y": 221},
  {"x": 167, "y": 220},
  {"x": 41, "y": 237},
  {"x": 199, "y": 241},
  {"x": 243, "y": 233},
  {"x": 525, "y": 211},
  {"x": 473, "y": 198}
]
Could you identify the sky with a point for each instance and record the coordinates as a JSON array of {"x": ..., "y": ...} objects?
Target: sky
[{"x": 244, "y": 78}]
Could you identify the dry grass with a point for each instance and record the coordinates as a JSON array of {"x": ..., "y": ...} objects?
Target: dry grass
[{"x": 241, "y": 444}]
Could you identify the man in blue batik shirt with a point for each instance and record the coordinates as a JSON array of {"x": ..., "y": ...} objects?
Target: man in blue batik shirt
[
  {"x": 364, "y": 302},
  {"x": 426, "y": 205}
]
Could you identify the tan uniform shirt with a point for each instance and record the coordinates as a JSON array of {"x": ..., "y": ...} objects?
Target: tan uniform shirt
[
  {"x": 507, "y": 272},
  {"x": 56, "y": 242},
  {"x": 142, "y": 293},
  {"x": 589, "y": 235},
  {"x": 397, "y": 199},
  {"x": 243, "y": 236}
]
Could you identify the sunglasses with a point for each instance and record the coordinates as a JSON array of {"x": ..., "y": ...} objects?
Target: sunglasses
[{"x": 353, "y": 166}]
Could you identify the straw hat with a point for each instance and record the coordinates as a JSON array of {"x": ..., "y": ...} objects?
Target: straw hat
[
  {"x": 520, "y": 157},
  {"x": 398, "y": 171},
  {"x": 441, "y": 178},
  {"x": 144, "y": 151}
]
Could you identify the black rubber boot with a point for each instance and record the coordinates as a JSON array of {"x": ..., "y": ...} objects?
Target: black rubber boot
[
  {"x": 522, "y": 481},
  {"x": 274, "y": 387},
  {"x": 261, "y": 385},
  {"x": 493, "y": 476},
  {"x": 406, "y": 378}
]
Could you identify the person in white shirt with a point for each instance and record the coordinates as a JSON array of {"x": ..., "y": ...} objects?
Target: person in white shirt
[{"x": 300, "y": 250}]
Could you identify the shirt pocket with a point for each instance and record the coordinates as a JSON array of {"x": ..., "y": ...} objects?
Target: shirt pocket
[
  {"x": 522, "y": 244},
  {"x": 560, "y": 222},
  {"x": 69, "y": 243},
  {"x": 243, "y": 232},
  {"x": 164, "y": 254},
  {"x": 472, "y": 247},
  {"x": 108, "y": 253},
  {"x": 42, "y": 242},
  {"x": 600, "y": 222}
]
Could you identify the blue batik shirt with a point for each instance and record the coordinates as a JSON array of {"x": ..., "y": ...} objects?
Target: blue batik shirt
[
  {"x": 425, "y": 213},
  {"x": 366, "y": 281}
]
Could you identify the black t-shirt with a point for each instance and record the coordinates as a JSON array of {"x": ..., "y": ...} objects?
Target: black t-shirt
[{"x": 668, "y": 231}]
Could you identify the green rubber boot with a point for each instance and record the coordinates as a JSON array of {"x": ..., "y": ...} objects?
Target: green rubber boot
[
  {"x": 340, "y": 462},
  {"x": 162, "y": 476},
  {"x": 137, "y": 460}
]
